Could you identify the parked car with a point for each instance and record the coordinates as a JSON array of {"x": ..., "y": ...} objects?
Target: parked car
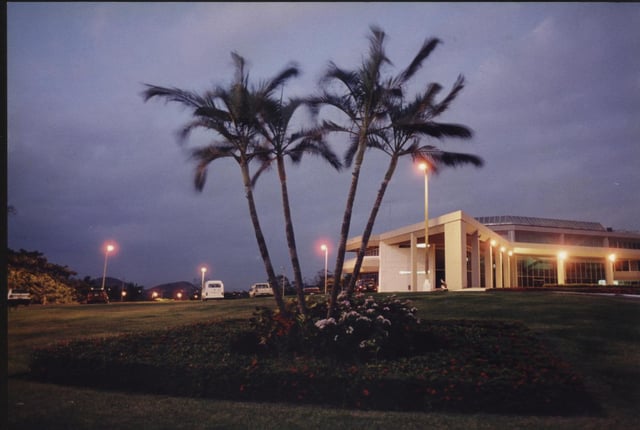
[
  {"x": 366, "y": 286},
  {"x": 312, "y": 290},
  {"x": 18, "y": 297},
  {"x": 260, "y": 289},
  {"x": 97, "y": 295}
]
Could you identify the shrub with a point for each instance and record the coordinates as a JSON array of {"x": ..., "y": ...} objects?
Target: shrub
[
  {"x": 363, "y": 329},
  {"x": 468, "y": 366}
]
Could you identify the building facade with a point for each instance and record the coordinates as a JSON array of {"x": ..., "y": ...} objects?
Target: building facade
[{"x": 498, "y": 252}]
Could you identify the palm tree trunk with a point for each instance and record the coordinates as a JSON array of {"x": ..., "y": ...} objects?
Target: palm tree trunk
[
  {"x": 371, "y": 221},
  {"x": 346, "y": 222},
  {"x": 291, "y": 239},
  {"x": 262, "y": 244}
]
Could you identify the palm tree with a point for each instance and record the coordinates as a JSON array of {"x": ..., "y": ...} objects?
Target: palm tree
[
  {"x": 408, "y": 122},
  {"x": 364, "y": 102},
  {"x": 278, "y": 144},
  {"x": 233, "y": 115}
]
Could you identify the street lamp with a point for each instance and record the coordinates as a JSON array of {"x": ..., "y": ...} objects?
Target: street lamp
[
  {"x": 326, "y": 254},
  {"x": 109, "y": 248},
  {"x": 425, "y": 168},
  {"x": 203, "y": 270}
]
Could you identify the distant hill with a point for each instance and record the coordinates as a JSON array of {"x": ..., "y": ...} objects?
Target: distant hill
[{"x": 181, "y": 290}]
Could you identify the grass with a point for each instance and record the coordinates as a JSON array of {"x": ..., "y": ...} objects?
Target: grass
[{"x": 599, "y": 336}]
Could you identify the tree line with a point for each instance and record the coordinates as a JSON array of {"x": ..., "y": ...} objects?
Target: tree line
[
  {"x": 50, "y": 283},
  {"x": 252, "y": 125}
]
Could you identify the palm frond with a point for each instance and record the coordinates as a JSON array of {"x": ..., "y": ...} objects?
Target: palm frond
[
  {"x": 427, "y": 48},
  {"x": 205, "y": 156},
  {"x": 455, "y": 90},
  {"x": 351, "y": 151},
  {"x": 436, "y": 158},
  {"x": 437, "y": 129},
  {"x": 269, "y": 86},
  {"x": 264, "y": 167},
  {"x": 187, "y": 98}
]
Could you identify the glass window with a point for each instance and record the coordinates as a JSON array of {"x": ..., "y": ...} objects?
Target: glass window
[{"x": 536, "y": 271}]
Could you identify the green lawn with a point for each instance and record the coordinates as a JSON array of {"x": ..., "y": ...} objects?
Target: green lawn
[{"x": 599, "y": 335}]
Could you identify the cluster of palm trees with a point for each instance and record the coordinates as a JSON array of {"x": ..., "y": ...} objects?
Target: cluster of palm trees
[{"x": 253, "y": 126}]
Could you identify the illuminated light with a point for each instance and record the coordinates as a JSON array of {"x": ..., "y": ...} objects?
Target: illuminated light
[
  {"x": 510, "y": 253},
  {"x": 493, "y": 242},
  {"x": 421, "y": 245},
  {"x": 179, "y": 295},
  {"x": 503, "y": 249},
  {"x": 612, "y": 257},
  {"x": 562, "y": 255}
]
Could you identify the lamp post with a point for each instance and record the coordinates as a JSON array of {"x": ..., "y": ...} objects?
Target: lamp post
[
  {"x": 203, "y": 270},
  {"x": 326, "y": 254},
  {"x": 109, "y": 248},
  {"x": 427, "y": 281}
]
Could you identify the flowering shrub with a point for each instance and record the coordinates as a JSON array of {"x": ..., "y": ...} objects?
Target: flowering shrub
[
  {"x": 472, "y": 367},
  {"x": 363, "y": 328}
]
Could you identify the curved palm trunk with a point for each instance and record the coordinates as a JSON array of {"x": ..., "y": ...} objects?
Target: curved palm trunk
[
  {"x": 262, "y": 244},
  {"x": 346, "y": 223},
  {"x": 371, "y": 221},
  {"x": 291, "y": 239}
]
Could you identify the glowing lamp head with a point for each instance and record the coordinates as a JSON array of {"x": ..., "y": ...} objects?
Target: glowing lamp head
[
  {"x": 110, "y": 248},
  {"x": 423, "y": 166},
  {"x": 323, "y": 247},
  {"x": 562, "y": 255},
  {"x": 203, "y": 270},
  {"x": 612, "y": 258}
]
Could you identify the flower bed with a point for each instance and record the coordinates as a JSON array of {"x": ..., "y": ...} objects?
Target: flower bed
[{"x": 459, "y": 366}]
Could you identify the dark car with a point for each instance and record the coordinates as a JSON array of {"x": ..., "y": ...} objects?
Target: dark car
[
  {"x": 366, "y": 286},
  {"x": 97, "y": 295}
]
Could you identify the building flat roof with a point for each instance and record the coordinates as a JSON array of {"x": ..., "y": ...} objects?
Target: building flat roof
[{"x": 540, "y": 222}]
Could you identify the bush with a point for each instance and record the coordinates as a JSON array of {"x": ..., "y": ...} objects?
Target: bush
[
  {"x": 458, "y": 366},
  {"x": 362, "y": 330}
]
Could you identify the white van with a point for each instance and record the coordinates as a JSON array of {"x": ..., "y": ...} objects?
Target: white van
[
  {"x": 212, "y": 290},
  {"x": 260, "y": 289}
]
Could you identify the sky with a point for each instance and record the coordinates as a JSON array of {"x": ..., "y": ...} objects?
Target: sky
[{"x": 552, "y": 95}]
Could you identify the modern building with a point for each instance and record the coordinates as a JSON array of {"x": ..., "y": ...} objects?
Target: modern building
[{"x": 498, "y": 252}]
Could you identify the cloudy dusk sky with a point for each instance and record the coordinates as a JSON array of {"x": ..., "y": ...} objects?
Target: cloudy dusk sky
[{"x": 552, "y": 95}]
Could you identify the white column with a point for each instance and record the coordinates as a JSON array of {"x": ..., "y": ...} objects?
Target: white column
[
  {"x": 499, "y": 266},
  {"x": 561, "y": 271},
  {"x": 488, "y": 265},
  {"x": 609, "y": 268},
  {"x": 455, "y": 255},
  {"x": 507, "y": 277},
  {"x": 475, "y": 260}
]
